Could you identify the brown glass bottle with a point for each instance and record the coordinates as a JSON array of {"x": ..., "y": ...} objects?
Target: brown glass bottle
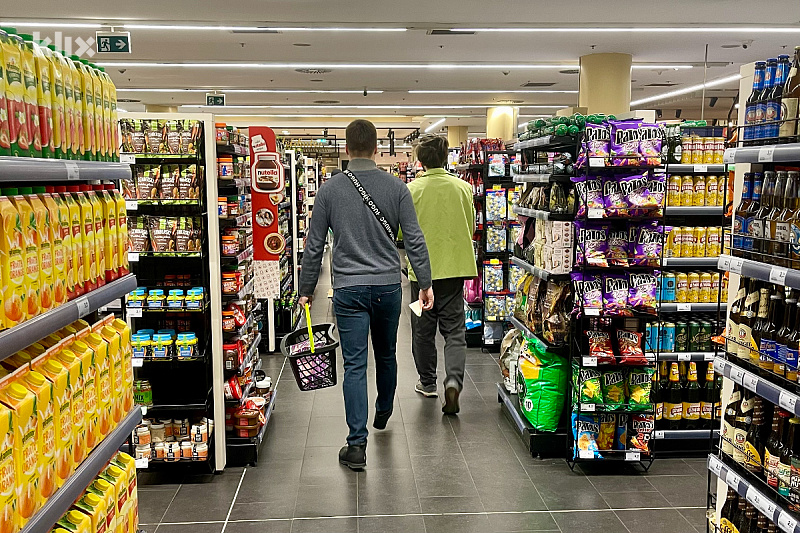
[
  {"x": 783, "y": 224},
  {"x": 729, "y": 420},
  {"x": 785, "y": 334},
  {"x": 734, "y": 317},
  {"x": 785, "y": 464},
  {"x": 773, "y": 248},
  {"x": 759, "y": 207},
  {"x": 794, "y": 476},
  {"x": 740, "y": 220},
  {"x": 744, "y": 418},
  {"x": 746, "y": 347},
  {"x": 774, "y": 448},
  {"x": 708, "y": 397},
  {"x": 673, "y": 404},
  {"x": 754, "y": 444},
  {"x": 762, "y": 316},
  {"x": 691, "y": 399},
  {"x": 767, "y": 347},
  {"x": 728, "y": 514},
  {"x": 749, "y": 522},
  {"x": 789, "y": 101}
]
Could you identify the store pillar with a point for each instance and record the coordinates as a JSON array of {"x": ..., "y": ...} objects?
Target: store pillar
[
  {"x": 456, "y": 135},
  {"x": 605, "y": 83},
  {"x": 501, "y": 122}
]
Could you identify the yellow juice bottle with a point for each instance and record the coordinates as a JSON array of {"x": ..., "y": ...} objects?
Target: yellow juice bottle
[
  {"x": 30, "y": 96},
  {"x": 122, "y": 232},
  {"x": 42, "y": 388},
  {"x": 90, "y": 393},
  {"x": 74, "y": 367},
  {"x": 56, "y": 100},
  {"x": 78, "y": 139},
  {"x": 117, "y": 374},
  {"x": 115, "y": 140},
  {"x": 109, "y": 206},
  {"x": 43, "y": 237},
  {"x": 99, "y": 233},
  {"x": 88, "y": 148},
  {"x": 118, "y": 478},
  {"x": 95, "y": 507},
  {"x": 8, "y": 474},
  {"x": 22, "y": 404},
  {"x": 43, "y": 96},
  {"x": 126, "y": 350},
  {"x": 102, "y": 363},
  {"x": 75, "y": 223},
  {"x": 58, "y": 376},
  {"x": 15, "y": 96},
  {"x": 75, "y": 521},
  {"x": 106, "y": 490},
  {"x": 12, "y": 262},
  {"x": 68, "y": 133},
  {"x": 109, "y": 113},
  {"x": 55, "y": 227},
  {"x": 87, "y": 239},
  {"x": 29, "y": 239},
  {"x": 99, "y": 122}
]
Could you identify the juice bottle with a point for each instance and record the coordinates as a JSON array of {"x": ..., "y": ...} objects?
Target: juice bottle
[
  {"x": 117, "y": 374},
  {"x": 111, "y": 126},
  {"x": 126, "y": 351},
  {"x": 109, "y": 216},
  {"x": 106, "y": 490},
  {"x": 15, "y": 95},
  {"x": 12, "y": 262},
  {"x": 22, "y": 404},
  {"x": 90, "y": 392},
  {"x": 74, "y": 367},
  {"x": 99, "y": 233},
  {"x": 75, "y": 521},
  {"x": 76, "y": 240},
  {"x": 87, "y": 238},
  {"x": 65, "y": 231},
  {"x": 46, "y": 427},
  {"x": 99, "y": 111},
  {"x": 88, "y": 147},
  {"x": 118, "y": 479},
  {"x": 68, "y": 132},
  {"x": 108, "y": 148},
  {"x": 29, "y": 239},
  {"x": 43, "y": 96},
  {"x": 78, "y": 148},
  {"x": 122, "y": 230},
  {"x": 5, "y": 136},
  {"x": 128, "y": 464},
  {"x": 55, "y": 226},
  {"x": 8, "y": 475},
  {"x": 58, "y": 376},
  {"x": 95, "y": 507},
  {"x": 30, "y": 97},
  {"x": 103, "y": 366},
  {"x": 56, "y": 99},
  {"x": 43, "y": 237}
]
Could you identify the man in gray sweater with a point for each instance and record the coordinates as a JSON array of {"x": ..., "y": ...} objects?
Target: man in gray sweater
[{"x": 367, "y": 296}]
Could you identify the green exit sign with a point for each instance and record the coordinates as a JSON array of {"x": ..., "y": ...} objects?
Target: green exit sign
[
  {"x": 113, "y": 42},
  {"x": 215, "y": 99}
]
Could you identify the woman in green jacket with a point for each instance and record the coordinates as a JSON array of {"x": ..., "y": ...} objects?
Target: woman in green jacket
[{"x": 446, "y": 214}]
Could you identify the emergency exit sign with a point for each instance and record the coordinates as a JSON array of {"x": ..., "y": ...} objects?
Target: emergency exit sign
[
  {"x": 113, "y": 42},
  {"x": 215, "y": 99}
]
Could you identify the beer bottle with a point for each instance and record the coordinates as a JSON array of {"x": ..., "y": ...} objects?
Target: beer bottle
[
  {"x": 774, "y": 448},
  {"x": 743, "y": 420},
  {"x": 747, "y": 348},
  {"x": 785, "y": 464},
  {"x": 762, "y": 523},
  {"x": 757, "y": 211},
  {"x": 708, "y": 398},
  {"x": 754, "y": 444},
  {"x": 691, "y": 399},
  {"x": 734, "y": 318},
  {"x": 673, "y": 406},
  {"x": 740, "y": 228},
  {"x": 793, "y": 350},
  {"x": 772, "y": 247},
  {"x": 761, "y": 105},
  {"x": 682, "y": 373},
  {"x": 794, "y": 476},
  {"x": 663, "y": 382},
  {"x": 773, "y": 111},
  {"x": 718, "y": 414},
  {"x": 729, "y": 512},
  {"x": 794, "y": 222},
  {"x": 749, "y": 521},
  {"x": 762, "y": 316},
  {"x": 729, "y": 421},
  {"x": 789, "y": 100},
  {"x": 767, "y": 347},
  {"x": 783, "y": 230},
  {"x": 785, "y": 334},
  {"x": 752, "y": 102}
]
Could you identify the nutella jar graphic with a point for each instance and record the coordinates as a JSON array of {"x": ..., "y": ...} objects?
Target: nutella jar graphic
[{"x": 268, "y": 173}]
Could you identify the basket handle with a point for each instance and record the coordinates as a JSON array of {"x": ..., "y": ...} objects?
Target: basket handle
[{"x": 308, "y": 324}]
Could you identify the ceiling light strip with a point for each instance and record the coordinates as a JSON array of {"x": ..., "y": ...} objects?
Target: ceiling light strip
[
  {"x": 401, "y": 66},
  {"x": 479, "y": 106},
  {"x": 246, "y": 91},
  {"x": 434, "y": 125},
  {"x": 649, "y": 29},
  {"x": 687, "y": 90},
  {"x": 491, "y": 91}
]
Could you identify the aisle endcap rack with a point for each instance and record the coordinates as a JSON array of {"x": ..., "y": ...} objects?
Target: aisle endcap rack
[{"x": 539, "y": 443}]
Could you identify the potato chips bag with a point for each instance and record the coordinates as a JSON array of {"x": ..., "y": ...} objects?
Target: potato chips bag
[
  {"x": 587, "y": 384},
  {"x": 639, "y": 386},
  {"x": 621, "y": 432},
  {"x": 641, "y": 430},
  {"x": 613, "y": 386},
  {"x": 605, "y": 440},
  {"x": 585, "y": 431}
]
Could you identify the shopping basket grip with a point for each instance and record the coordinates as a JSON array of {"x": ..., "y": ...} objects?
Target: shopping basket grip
[{"x": 308, "y": 324}]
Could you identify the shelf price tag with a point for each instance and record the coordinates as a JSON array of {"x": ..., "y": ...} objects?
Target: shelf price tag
[
  {"x": 596, "y": 212},
  {"x": 590, "y": 361},
  {"x": 732, "y": 479},
  {"x": 684, "y": 307},
  {"x": 765, "y": 154},
  {"x": 788, "y": 401},
  {"x": 588, "y": 407},
  {"x": 135, "y": 312},
  {"x": 131, "y": 205},
  {"x": 633, "y": 456},
  {"x": 585, "y": 454},
  {"x": 786, "y": 522},
  {"x": 715, "y": 466},
  {"x": 591, "y": 311},
  {"x": 777, "y": 275},
  {"x": 708, "y": 356},
  {"x": 144, "y": 462},
  {"x": 724, "y": 263},
  {"x": 684, "y": 357},
  {"x": 761, "y": 503},
  {"x": 137, "y": 362},
  {"x": 658, "y": 434},
  {"x": 737, "y": 375},
  {"x": 133, "y": 257},
  {"x": 750, "y": 382},
  {"x": 73, "y": 171},
  {"x": 597, "y": 162},
  {"x": 701, "y": 168},
  {"x": 127, "y": 158},
  {"x": 736, "y": 265},
  {"x": 83, "y": 305},
  {"x": 728, "y": 155},
  {"x": 719, "y": 365}
]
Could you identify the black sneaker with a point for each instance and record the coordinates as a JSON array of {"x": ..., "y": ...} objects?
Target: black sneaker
[
  {"x": 450, "y": 401},
  {"x": 381, "y": 417},
  {"x": 353, "y": 456}
]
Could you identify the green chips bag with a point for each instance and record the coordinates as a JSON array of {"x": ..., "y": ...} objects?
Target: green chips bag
[
  {"x": 613, "y": 385},
  {"x": 639, "y": 386},
  {"x": 587, "y": 384}
]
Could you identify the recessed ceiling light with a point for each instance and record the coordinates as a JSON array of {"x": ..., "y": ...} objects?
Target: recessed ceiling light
[
  {"x": 245, "y": 91},
  {"x": 326, "y": 102},
  {"x": 434, "y": 125},
  {"x": 344, "y": 106},
  {"x": 312, "y": 70},
  {"x": 316, "y": 80},
  {"x": 570, "y": 71}
]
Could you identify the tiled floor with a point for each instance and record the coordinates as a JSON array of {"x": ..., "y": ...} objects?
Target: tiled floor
[{"x": 425, "y": 473}]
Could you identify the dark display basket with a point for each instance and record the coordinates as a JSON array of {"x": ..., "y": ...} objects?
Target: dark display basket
[{"x": 316, "y": 370}]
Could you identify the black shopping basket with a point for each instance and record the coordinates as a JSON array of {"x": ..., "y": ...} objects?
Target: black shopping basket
[{"x": 315, "y": 366}]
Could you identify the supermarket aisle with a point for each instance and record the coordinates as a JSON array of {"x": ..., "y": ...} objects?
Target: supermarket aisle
[{"x": 425, "y": 473}]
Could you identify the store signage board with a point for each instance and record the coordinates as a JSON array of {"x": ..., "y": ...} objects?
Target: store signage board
[
  {"x": 113, "y": 42},
  {"x": 215, "y": 99}
]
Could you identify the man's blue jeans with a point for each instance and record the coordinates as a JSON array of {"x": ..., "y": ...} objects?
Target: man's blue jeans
[{"x": 361, "y": 310}]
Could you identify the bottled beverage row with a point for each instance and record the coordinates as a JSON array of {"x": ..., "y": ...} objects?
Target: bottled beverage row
[
  {"x": 681, "y": 402},
  {"x": 698, "y": 241},
  {"x": 763, "y": 327},
  {"x": 55, "y": 105},
  {"x": 695, "y": 190},
  {"x": 768, "y": 217},
  {"x": 738, "y": 514},
  {"x": 681, "y": 333},
  {"x": 772, "y": 111}
]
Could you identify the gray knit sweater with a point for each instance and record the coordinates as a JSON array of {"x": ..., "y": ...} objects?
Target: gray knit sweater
[{"x": 362, "y": 252}]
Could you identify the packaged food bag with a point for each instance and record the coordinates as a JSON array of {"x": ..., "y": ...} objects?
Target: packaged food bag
[{"x": 542, "y": 380}]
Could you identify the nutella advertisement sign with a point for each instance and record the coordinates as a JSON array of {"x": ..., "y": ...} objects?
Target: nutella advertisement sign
[
  {"x": 267, "y": 174},
  {"x": 268, "y": 190}
]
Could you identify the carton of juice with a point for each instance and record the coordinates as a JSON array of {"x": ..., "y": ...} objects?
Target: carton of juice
[
  {"x": 43, "y": 238},
  {"x": 89, "y": 152},
  {"x": 82, "y": 328},
  {"x": 22, "y": 404},
  {"x": 128, "y": 464},
  {"x": 30, "y": 241},
  {"x": 99, "y": 123},
  {"x": 44, "y": 96},
  {"x": 60, "y": 62},
  {"x": 12, "y": 263},
  {"x": 57, "y": 374},
  {"x": 75, "y": 521},
  {"x": 95, "y": 507},
  {"x": 104, "y": 394},
  {"x": 106, "y": 490},
  {"x": 8, "y": 475},
  {"x": 5, "y": 137},
  {"x": 55, "y": 226},
  {"x": 116, "y": 360},
  {"x": 87, "y": 239},
  {"x": 90, "y": 393},
  {"x": 56, "y": 99},
  {"x": 29, "y": 81},
  {"x": 78, "y": 142},
  {"x": 65, "y": 229},
  {"x": 126, "y": 350},
  {"x": 109, "y": 108},
  {"x": 51, "y": 340},
  {"x": 118, "y": 479},
  {"x": 109, "y": 217},
  {"x": 74, "y": 367},
  {"x": 122, "y": 231},
  {"x": 15, "y": 96},
  {"x": 42, "y": 388},
  {"x": 75, "y": 222},
  {"x": 99, "y": 234}
]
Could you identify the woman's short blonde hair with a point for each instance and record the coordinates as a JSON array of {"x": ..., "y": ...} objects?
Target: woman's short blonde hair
[{"x": 431, "y": 151}]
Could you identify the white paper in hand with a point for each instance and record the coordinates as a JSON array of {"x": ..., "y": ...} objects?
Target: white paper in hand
[{"x": 416, "y": 307}]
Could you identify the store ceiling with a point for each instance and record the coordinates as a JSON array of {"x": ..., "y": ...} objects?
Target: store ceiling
[{"x": 495, "y": 61}]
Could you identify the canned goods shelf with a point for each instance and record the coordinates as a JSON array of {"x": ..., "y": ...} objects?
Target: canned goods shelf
[
  {"x": 694, "y": 210},
  {"x": 684, "y": 168},
  {"x": 781, "y": 153},
  {"x": 60, "y": 502},
  {"x": 763, "y": 271},
  {"x": 26, "y": 169},
  {"x": 691, "y": 261},
  {"x": 672, "y": 307}
]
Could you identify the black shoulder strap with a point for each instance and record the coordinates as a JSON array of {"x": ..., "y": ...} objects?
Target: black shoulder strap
[{"x": 371, "y": 205}]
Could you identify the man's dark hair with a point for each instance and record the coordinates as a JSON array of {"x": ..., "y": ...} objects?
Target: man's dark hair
[
  {"x": 362, "y": 138},
  {"x": 431, "y": 151}
]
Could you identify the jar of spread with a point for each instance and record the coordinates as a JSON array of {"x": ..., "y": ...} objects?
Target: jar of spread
[
  {"x": 159, "y": 451},
  {"x": 141, "y": 436},
  {"x": 157, "y": 433},
  {"x": 248, "y": 430},
  {"x": 230, "y": 245},
  {"x": 194, "y": 298},
  {"x": 230, "y": 355},
  {"x": 225, "y": 167},
  {"x": 222, "y": 207},
  {"x": 136, "y": 298},
  {"x": 140, "y": 343},
  {"x": 186, "y": 451},
  {"x": 144, "y": 452},
  {"x": 175, "y": 299},
  {"x": 209, "y": 424},
  {"x": 230, "y": 282},
  {"x": 155, "y": 299},
  {"x": 228, "y": 321},
  {"x": 268, "y": 173},
  {"x": 186, "y": 345},
  {"x": 170, "y": 332},
  {"x": 167, "y": 428},
  {"x": 199, "y": 433},
  {"x": 221, "y": 132},
  {"x": 234, "y": 206},
  {"x": 200, "y": 452},
  {"x": 180, "y": 428},
  {"x": 173, "y": 452},
  {"x": 162, "y": 346}
]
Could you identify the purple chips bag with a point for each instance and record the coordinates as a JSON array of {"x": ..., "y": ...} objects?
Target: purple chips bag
[
  {"x": 615, "y": 295},
  {"x": 650, "y": 142},
  {"x": 615, "y": 203},
  {"x": 643, "y": 290},
  {"x": 592, "y": 244},
  {"x": 648, "y": 243},
  {"x": 656, "y": 190},
  {"x": 594, "y": 144},
  {"x": 589, "y": 289},
  {"x": 623, "y": 144},
  {"x": 617, "y": 252},
  {"x": 634, "y": 188},
  {"x": 590, "y": 193}
]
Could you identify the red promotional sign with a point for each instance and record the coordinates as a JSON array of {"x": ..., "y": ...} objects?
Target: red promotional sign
[{"x": 267, "y": 188}]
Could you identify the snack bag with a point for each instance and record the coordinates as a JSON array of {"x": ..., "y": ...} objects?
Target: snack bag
[
  {"x": 641, "y": 430},
  {"x": 585, "y": 431},
  {"x": 639, "y": 386},
  {"x": 621, "y": 432},
  {"x": 589, "y": 291},
  {"x": 587, "y": 384},
  {"x": 592, "y": 244},
  {"x": 594, "y": 144},
  {"x": 615, "y": 295},
  {"x": 613, "y": 386},
  {"x": 623, "y": 144},
  {"x": 605, "y": 439},
  {"x": 614, "y": 201},
  {"x": 617, "y": 250},
  {"x": 590, "y": 193},
  {"x": 634, "y": 188},
  {"x": 542, "y": 381},
  {"x": 643, "y": 290},
  {"x": 650, "y": 143},
  {"x": 630, "y": 348},
  {"x": 656, "y": 191},
  {"x": 647, "y": 244},
  {"x": 600, "y": 346}
]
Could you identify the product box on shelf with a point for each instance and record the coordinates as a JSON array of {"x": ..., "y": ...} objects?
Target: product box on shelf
[
  {"x": 559, "y": 233},
  {"x": 42, "y": 389},
  {"x": 557, "y": 260},
  {"x": 58, "y": 376},
  {"x": 8, "y": 476}
]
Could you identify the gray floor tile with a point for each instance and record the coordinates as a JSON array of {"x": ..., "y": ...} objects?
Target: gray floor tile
[
  {"x": 279, "y": 506},
  {"x": 442, "y": 475},
  {"x": 623, "y": 500},
  {"x": 457, "y": 524},
  {"x": 332, "y": 499},
  {"x": 522, "y": 522},
  {"x": 392, "y": 524},
  {"x": 682, "y": 491},
  {"x": 327, "y": 431},
  {"x": 201, "y": 502},
  {"x": 388, "y": 483},
  {"x": 271, "y": 526},
  {"x": 514, "y": 496},
  {"x": 321, "y": 466},
  {"x": 590, "y": 522},
  {"x": 153, "y": 504},
  {"x": 484, "y": 373},
  {"x": 148, "y": 528},
  {"x": 570, "y": 493},
  {"x": 325, "y": 525},
  {"x": 612, "y": 483},
  {"x": 191, "y": 528},
  {"x": 656, "y": 521},
  {"x": 696, "y": 517},
  {"x": 451, "y": 504}
]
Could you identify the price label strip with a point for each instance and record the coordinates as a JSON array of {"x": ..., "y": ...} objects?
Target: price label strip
[
  {"x": 144, "y": 462},
  {"x": 728, "y": 156},
  {"x": 633, "y": 456},
  {"x": 786, "y": 522},
  {"x": 788, "y": 401},
  {"x": 590, "y": 361},
  {"x": 684, "y": 357},
  {"x": 137, "y": 362},
  {"x": 135, "y": 312},
  {"x": 133, "y": 257},
  {"x": 737, "y": 375},
  {"x": 736, "y": 265},
  {"x": 732, "y": 479},
  {"x": 83, "y": 305},
  {"x": 701, "y": 168},
  {"x": 131, "y": 205},
  {"x": 761, "y": 502},
  {"x": 73, "y": 171},
  {"x": 715, "y": 466},
  {"x": 588, "y": 407},
  {"x": 725, "y": 263},
  {"x": 127, "y": 158},
  {"x": 597, "y": 162},
  {"x": 777, "y": 275},
  {"x": 585, "y": 454},
  {"x": 684, "y": 307},
  {"x": 720, "y": 365},
  {"x": 750, "y": 382},
  {"x": 765, "y": 154}
]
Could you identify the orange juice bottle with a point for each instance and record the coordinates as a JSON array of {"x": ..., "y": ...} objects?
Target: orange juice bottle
[
  {"x": 99, "y": 122},
  {"x": 75, "y": 521},
  {"x": 78, "y": 139},
  {"x": 22, "y": 404},
  {"x": 122, "y": 229},
  {"x": 43, "y": 237},
  {"x": 90, "y": 393},
  {"x": 55, "y": 226},
  {"x": 106, "y": 490},
  {"x": 12, "y": 262},
  {"x": 56, "y": 99},
  {"x": 102, "y": 364},
  {"x": 126, "y": 350},
  {"x": 109, "y": 206},
  {"x": 99, "y": 234},
  {"x": 95, "y": 507},
  {"x": 115, "y": 141},
  {"x": 43, "y": 95},
  {"x": 118, "y": 479},
  {"x": 57, "y": 374},
  {"x": 15, "y": 96},
  {"x": 128, "y": 464},
  {"x": 74, "y": 367},
  {"x": 87, "y": 239},
  {"x": 8, "y": 475},
  {"x": 65, "y": 230},
  {"x": 75, "y": 222},
  {"x": 29, "y": 239},
  {"x": 29, "y": 81},
  {"x": 45, "y": 409},
  {"x": 117, "y": 374}
]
